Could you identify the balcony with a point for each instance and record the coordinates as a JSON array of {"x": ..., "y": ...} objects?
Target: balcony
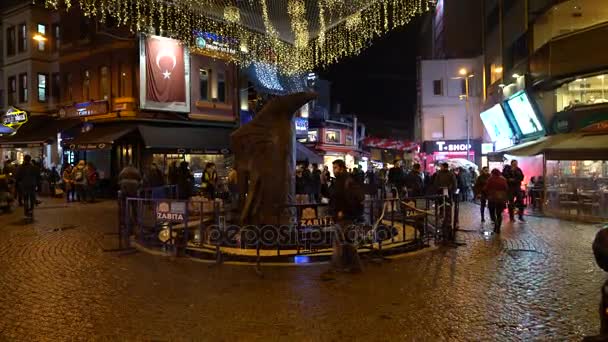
[{"x": 565, "y": 39}]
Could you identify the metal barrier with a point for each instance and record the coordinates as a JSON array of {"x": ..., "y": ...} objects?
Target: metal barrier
[{"x": 173, "y": 225}]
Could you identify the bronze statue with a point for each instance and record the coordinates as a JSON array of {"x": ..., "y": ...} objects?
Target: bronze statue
[{"x": 264, "y": 151}]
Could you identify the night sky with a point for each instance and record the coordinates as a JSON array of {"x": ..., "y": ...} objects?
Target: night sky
[{"x": 379, "y": 84}]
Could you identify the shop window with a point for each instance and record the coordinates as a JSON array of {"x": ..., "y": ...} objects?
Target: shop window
[
  {"x": 576, "y": 187},
  {"x": 583, "y": 92},
  {"x": 437, "y": 88},
  {"x": 56, "y": 87},
  {"x": 86, "y": 85},
  {"x": 104, "y": 81},
  {"x": 12, "y": 90},
  {"x": 42, "y": 31},
  {"x": 22, "y": 45},
  {"x": 56, "y": 37},
  {"x": 349, "y": 140},
  {"x": 23, "y": 93},
  {"x": 10, "y": 41},
  {"x": 203, "y": 79},
  {"x": 43, "y": 84},
  {"x": 313, "y": 136},
  {"x": 332, "y": 137},
  {"x": 221, "y": 87}
]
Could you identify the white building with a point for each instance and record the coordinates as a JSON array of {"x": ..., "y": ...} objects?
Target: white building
[{"x": 442, "y": 116}]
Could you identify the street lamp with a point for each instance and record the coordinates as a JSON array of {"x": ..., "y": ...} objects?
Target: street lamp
[{"x": 465, "y": 74}]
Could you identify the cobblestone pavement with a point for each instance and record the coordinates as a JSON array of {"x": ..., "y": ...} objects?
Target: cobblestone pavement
[{"x": 537, "y": 281}]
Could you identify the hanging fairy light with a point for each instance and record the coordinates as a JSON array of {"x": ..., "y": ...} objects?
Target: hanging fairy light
[{"x": 341, "y": 27}]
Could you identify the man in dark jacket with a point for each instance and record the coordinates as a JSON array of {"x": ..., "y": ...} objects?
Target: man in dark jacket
[
  {"x": 346, "y": 199},
  {"x": 444, "y": 179},
  {"x": 396, "y": 178},
  {"x": 316, "y": 183},
  {"x": 346, "y": 203},
  {"x": 414, "y": 182},
  {"x": 28, "y": 177},
  {"x": 514, "y": 177},
  {"x": 479, "y": 189}
]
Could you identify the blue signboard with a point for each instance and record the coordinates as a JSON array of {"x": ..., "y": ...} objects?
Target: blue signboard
[{"x": 301, "y": 126}]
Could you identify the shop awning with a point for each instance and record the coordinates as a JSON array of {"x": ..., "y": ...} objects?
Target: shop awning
[
  {"x": 37, "y": 131},
  {"x": 303, "y": 153},
  {"x": 579, "y": 146},
  {"x": 100, "y": 137},
  {"x": 530, "y": 148},
  {"x": 195, "y": 140}
]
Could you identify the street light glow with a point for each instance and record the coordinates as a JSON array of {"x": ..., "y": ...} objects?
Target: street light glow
[
  {"x": 39, "y": 38},
  {"x": 515, "y": 75},
  {"x": 462, "y": 71},
  {"x": 498, "y": 70}
]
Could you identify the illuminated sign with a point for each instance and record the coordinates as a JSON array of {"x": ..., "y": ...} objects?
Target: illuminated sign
[
  {"x": 443, "y": 147},
  {"x": 498, "y": 127},
  {"x": 85, "y": 109},
  {"x": 14, "y": 118},
  {"x": 524, "y": 114},
  {"x": 301, "y": 126},
  {"x": 214, "y": 42}
]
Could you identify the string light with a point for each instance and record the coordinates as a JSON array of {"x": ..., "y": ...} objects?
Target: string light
[{"x": 340, "y": 28}]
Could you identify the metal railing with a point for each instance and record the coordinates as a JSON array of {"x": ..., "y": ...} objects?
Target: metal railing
[{"x": 205, "y": 224}]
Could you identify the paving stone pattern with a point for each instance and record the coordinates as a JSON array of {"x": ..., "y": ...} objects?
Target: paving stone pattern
[{"x": 537, "y": 281}]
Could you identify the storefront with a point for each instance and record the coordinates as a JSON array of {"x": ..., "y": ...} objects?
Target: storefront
[
  {"x": 575, "y": 181},
  {"x": 39, "y": 137},
  {"x": 433, "y": 152},
  {"x": 112, "y": 146}
]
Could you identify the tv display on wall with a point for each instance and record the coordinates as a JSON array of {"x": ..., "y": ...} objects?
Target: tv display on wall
[
  {"x": 525, "y": 117},
  {"x": 498, "y": 127}
]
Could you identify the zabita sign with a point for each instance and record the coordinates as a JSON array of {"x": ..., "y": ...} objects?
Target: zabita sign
[{"x": 171, "y": 211}]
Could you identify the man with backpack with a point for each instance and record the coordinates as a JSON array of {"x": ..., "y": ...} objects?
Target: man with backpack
[{"x": 80, "y": 180}]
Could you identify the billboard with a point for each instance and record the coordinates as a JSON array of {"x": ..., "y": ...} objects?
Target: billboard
[
  {"x": 164, "y": 74},
  {"x": 498, "y": 127},
  {"x": 524, "y": 115}
]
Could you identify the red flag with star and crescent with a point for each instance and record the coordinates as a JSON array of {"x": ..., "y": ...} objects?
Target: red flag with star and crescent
[{"x": 165, "y": 71}]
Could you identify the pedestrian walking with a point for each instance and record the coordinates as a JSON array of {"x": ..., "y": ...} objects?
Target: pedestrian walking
[
  {"x": 185, "y": 181},
  {"x": 129, "y": 181},
  {"x": 209, "y": 182},
  {"x": 316, "y": 183},
  {"x": 444, "y": 179},
  {"x": 346, "y": 205},
  {"x": 53, "y": 180},
  {"x": 68, "y": 183},
  {"x": 325, "y": 182},
  {"x": 480, "y": 191},
  {"x": 301, "y": 188},
  {"x": 80, "y": 181},
  {"x": 396, "y": 177},
  {"x": 233, "y": 188},
  {"x": 92, "y": 179},
  {"x": 496, "y": 189},
  {"x": 413, "y": 182},
  {"x": 28, "y": 178},
  {"x": 515, "y": 176}
]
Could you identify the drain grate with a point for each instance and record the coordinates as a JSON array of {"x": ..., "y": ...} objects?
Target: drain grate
[{"x": 518, "y": 248}]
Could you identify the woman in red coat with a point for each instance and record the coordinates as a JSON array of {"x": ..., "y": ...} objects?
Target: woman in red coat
[{"x": 496, "y": 190}]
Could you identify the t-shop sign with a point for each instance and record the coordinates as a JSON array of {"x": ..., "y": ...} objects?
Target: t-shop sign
[
  {"x": 442, "y": 146},
  {"x": 171, "y": 211}
]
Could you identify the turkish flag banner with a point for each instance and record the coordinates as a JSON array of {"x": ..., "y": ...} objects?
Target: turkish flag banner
[{"x": 165, "y": 71}]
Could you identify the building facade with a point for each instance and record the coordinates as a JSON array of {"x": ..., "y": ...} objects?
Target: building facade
[
  {"x": 445, "y": 112},
  {"x": 114, "y": 97},
  {"x": 551, "y": 53}
]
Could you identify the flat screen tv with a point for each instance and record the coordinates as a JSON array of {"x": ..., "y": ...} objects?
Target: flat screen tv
[
  {"x": 525, "y": 117},
  {"x": 498, "y": 127}
]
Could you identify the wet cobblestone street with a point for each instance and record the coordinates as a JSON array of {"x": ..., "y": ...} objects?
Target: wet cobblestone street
[{"x": 537, "y": 281}]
